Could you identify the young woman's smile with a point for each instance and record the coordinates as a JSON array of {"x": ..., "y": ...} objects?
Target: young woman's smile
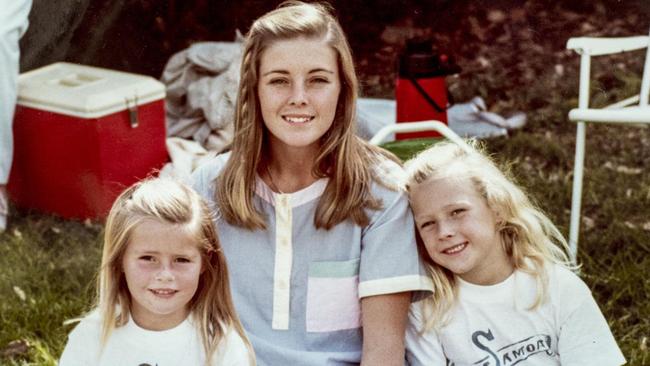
[{"x": 298, "y": 89}]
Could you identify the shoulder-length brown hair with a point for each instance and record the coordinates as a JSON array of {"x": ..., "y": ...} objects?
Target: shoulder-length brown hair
[{"x": 343, "y": 157}]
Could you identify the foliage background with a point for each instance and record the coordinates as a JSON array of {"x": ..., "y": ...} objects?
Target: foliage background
[{"x": 512, "y": 53}]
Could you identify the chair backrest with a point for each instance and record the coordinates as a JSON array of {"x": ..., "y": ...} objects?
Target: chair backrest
[{"x": 645, "y": 81}]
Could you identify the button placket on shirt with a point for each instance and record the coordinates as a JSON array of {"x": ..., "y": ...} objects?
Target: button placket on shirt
[{"x": 283, "y": 262}]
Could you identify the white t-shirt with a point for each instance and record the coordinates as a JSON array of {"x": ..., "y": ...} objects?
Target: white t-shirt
[
  {"x": 492, "y": 325},
  {"x": 131, "y": 345}
]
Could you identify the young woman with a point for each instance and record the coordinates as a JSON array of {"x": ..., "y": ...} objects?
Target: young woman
[
  {"x": 164, "y": 295},
  {"x": 316, "y": 232},
  {"x": 504, "y": 293}
]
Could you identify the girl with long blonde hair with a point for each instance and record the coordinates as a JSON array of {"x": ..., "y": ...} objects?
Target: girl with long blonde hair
[
  {"x": 315, "y": 229},
  {"x": 163, "y": 288},
  {"x": 504, "y": 292}
]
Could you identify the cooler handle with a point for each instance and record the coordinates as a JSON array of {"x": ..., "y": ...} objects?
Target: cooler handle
[
  {"x": 426, "y": 96},
  {"x": 133, "y": 112}
]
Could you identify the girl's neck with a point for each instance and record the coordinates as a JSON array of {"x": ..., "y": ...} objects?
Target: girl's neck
[
  {"x": 157, "y": 323},
  {"x": 497, "y": 267},
  {"x": 288, "y": 171}
]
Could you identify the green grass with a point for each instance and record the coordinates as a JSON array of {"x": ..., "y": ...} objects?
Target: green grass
[{"x": 47, "y": 269}]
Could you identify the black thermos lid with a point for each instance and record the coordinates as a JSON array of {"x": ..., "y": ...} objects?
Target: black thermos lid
[{"x": 419, "y": 61}]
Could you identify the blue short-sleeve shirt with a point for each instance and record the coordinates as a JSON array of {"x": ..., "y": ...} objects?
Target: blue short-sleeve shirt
[{"x": 297, "y": 289}]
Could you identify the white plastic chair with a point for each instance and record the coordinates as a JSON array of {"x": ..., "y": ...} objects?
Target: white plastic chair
[
  {"x": 387, "y": 132},
  {"x": 622, "y": 112}
]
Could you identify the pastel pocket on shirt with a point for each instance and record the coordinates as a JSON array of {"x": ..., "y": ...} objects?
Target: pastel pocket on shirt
[{"x": 333, "y": 296}]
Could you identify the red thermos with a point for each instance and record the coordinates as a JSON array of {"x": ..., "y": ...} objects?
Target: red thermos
[{"x": 421, "y": 91}]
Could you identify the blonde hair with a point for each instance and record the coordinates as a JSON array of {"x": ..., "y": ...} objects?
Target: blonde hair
[
  {"x": 343, "y": 157},
  {"x": 169, "y": 202},
  {"x": 529, "y": 237}
]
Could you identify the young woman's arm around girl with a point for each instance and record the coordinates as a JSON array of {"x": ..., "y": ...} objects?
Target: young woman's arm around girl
[
  {"x": 316, "y": 232},
  {"x": 163, "y": 290},
  {"x": 504, "y": 293}
]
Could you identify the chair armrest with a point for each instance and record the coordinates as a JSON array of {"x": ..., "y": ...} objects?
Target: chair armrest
[
  {"x": 634, "y": 115},
  {"x": 431, "y": 125},
  {"x": 596, "y": 46}
]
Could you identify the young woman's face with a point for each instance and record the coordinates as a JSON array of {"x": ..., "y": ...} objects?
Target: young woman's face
[
  {"x": 298, "y": 90},
  {"x": 459, "y": 230},
  {"x": 162, "y": 266}
]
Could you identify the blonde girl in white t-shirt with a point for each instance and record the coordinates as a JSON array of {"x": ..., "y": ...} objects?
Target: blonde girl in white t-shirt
[
  {"x": 163, "y": 290},
  {"x": 503, "y": 290}
]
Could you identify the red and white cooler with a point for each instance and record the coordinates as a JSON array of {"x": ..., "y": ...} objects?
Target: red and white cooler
[{"x": 81, "y": 135}]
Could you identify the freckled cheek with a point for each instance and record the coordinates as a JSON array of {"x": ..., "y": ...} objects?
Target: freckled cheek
[
  {"x": 137, "y": 273},
  {"x": 428, "y": 235},
  {"x": 328, "y": 96},
  {"x": 133, "y": 266},
  {"x": 269, "y": 100},
  {"x": 331, "y": 105},
  {"x": 142, "y": 265},
  {"x": 144, "y": 270},
  {"x": 270, "y": 97},
  {"x": 429, "y": 244},
  {"x": 189, "y": 275},
  {"x": 437, "y": 257}
]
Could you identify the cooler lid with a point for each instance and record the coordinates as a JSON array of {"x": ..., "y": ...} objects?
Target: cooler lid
[{"x": 85, "y": 91}]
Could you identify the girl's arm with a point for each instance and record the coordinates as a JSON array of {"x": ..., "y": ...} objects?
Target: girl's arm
[
  {"x": 423, "y": 348},
  {"x": 584, "y": 335},
  {"x": 234, "y": 351},
  {"x": 82, "y": 347},
  {"x": 384, "y": 322},
  {"x": 585, "y": 338},
  {"x": 389, "y": 271}
]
